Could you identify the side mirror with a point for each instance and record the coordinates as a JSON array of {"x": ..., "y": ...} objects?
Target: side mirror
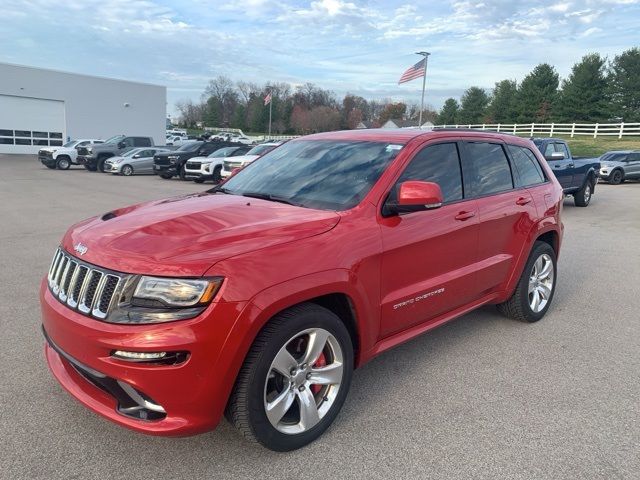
[
  {"x": 414, "y": 196},
  {"x": 415, "y": 193},
  {"x": 137, "y": 155},
  {"x": 554, "y": 156},
  {"x": 121, "y": 145}
]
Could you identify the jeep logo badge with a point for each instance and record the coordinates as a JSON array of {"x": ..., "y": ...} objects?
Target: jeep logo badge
[{"x": 80, "y": 248}]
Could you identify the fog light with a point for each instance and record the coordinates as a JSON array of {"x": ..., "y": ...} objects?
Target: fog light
[
  {"x": 163, "y": 358},
  {"x": 139, "y": 356}
]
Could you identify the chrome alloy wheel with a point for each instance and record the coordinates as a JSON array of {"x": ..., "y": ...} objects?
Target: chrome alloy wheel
[
  {"x": 303, "y": 381},
  {"x": 587, "y": 192},
  {"x": 541, "y": 283}
]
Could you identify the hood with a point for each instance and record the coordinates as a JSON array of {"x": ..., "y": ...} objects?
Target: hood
[{"x": 185, "y": 236}]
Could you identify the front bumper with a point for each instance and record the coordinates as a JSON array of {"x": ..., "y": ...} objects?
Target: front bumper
[
  {"x": 192, "y": 174},
  {"x": 111, "y": 167},
  {"x": 191, "y": 394},
  {"x": 48, "y": 161},
  {"x": 165, "y": 169},
  {"x": 86, "y": 161}
]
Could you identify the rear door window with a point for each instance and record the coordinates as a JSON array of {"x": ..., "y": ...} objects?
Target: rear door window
[
  {"x": 485, "y": 169},
  {"x": 141, "y": 142},
  {"x": 440, "y": 164},
  {"x": 527, "y": 166}
]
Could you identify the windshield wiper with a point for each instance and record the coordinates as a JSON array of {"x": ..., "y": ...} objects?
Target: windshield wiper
[
  {"x": 220, "y": 189},
  {"x": 272, "y": 198}
]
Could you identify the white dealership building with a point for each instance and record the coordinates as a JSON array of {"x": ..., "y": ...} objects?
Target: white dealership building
[{"x": 41, "y": 107}]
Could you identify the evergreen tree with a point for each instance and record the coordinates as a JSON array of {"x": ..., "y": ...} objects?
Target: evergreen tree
[
  {"x": 503, "y": 107},
  {"x": 537, "y": 94},
  {"x": 473, "y": 105},
  {"x": 449, "y": 113},
  {"x": 624, "y": 81},
  {"x": 584, "y": 94}
]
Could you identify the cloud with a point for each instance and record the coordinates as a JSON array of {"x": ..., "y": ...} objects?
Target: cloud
[{"x": 360, "y": 46}]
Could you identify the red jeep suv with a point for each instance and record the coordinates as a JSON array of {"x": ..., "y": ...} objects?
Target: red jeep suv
[{"x": 257, "y": 299}]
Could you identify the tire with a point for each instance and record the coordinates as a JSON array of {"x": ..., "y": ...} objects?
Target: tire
[
  {"x": 126, "y": 170},
  {"x": 616, "y": 177},
  {"x": 582, "y": 197},
  {"x": 217, "y": 178},
  {"x": 260, "y": 382},
  {"x": 63, "y": 163},
  {"x": 182, "y": 174},
  {"x": 100, "y": 165},
  {"x": 198, "y": 180},
  {"x": 90, "y": 168},
  {"x": 520, "y": 306}
]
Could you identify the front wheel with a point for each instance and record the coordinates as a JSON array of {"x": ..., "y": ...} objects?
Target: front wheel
[
  {"x": 534, "y": 292},
  {"x": 294, "y": 380},
  {"x": 127, "y": 170},
  {"x": 616, "y": 177},
  {"x": 63, "y": 163},
  {"x": 583, "y": 196}
]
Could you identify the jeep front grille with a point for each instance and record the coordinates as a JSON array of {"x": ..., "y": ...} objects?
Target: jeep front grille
[{"x": 83, "y": 287}]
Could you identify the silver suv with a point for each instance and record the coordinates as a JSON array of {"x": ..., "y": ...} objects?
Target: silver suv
[{"x": 620, "y": 165}]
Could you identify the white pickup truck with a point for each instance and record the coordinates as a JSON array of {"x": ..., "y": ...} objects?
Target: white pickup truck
[{"x": 66, "y": 155}]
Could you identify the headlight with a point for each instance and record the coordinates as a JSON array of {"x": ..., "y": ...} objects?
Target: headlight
[
  {"x": 89, "y": 150},
  {"x": 157, "y": 299},
  {"x": 175, "y": 292},
  {"x": 117, "y": 160}
]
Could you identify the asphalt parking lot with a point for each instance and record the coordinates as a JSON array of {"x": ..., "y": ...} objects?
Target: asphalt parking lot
[{"x": 481, "y": 397}]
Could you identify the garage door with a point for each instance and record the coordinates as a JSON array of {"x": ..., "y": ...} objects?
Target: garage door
[{"x": 28, "y": 124}]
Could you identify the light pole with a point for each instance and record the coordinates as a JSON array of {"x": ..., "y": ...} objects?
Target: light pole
[{"x": 424, "y": 80}]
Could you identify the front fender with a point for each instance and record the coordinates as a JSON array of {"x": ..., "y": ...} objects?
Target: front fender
[{"x": 264, "y": 305}]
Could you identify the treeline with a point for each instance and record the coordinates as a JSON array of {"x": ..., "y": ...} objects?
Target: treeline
[
  {"x": 305, "y": 109},
  {"x": 597, "y": 90}
]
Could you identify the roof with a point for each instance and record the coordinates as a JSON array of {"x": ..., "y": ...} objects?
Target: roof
[{"x": 402, "y": 135}]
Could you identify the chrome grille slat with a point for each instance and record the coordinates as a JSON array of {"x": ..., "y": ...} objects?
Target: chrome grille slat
[
  {"x": 90, "y": 290},
  {"x": 58, "y": 275},
  {"x": 63, "y": 280}
]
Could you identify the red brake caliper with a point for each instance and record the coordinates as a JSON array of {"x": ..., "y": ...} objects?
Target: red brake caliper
[{"x": 321, "y": 362}]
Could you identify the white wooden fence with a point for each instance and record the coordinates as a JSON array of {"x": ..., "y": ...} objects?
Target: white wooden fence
[{"x": 550, "y": 129}]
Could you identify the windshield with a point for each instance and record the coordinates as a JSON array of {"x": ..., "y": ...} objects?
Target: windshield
[
  {"x": 130, "y": 153},
  {"x": 188, "y": 147},
  {"x": 260, "y": 149},
  {"x": 114, "y": 139},
  {"x": 612, "y": 157},
  {"x": 329, "y": 175},
  {"x": 223, "y": 152},
  {"x": 70, "y": 144}
]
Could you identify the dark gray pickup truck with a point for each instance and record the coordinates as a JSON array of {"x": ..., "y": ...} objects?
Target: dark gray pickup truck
[
  {"x": 577, "y": 175},
  {"x": 94, "y": 156}
]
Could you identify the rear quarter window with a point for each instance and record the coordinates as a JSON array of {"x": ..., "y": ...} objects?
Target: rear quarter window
[{"x": 526, "y": 165}]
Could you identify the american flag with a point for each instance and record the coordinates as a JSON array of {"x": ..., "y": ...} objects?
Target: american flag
[
  {"x": 267, "y": 99},
  {"x": 413, "y": 72}
]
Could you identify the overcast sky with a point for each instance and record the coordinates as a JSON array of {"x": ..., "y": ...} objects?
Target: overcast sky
[{"x": 346, "y": 46}]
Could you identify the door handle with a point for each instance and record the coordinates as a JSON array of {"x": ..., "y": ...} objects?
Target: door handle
[
  {"x": 523, "y": 201},
  {"x": 465, "y": 215}
]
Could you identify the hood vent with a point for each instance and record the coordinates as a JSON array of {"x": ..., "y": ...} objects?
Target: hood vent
[{"x": 108, "y": 216}]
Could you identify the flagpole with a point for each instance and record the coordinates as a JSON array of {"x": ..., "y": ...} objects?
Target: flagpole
[
  {"x": 424, "y": 81},
  {"x": 270, "y": 104}
]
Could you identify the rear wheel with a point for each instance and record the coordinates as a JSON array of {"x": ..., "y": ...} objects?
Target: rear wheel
[
  {"x": 616, "y": 177},
  {"x": 534, "y": 292},
  {"x": 127, "y": 170},
  {"x": 583, "y": 196},
  {"x": 294, "y": 379},
  {"x": 63, "y": 163}
]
